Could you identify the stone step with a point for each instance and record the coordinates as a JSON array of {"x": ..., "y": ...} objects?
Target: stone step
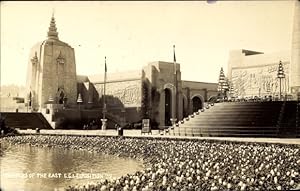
[{"x": 25, "y": 120}]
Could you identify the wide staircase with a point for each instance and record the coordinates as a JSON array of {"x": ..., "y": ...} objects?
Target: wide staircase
[
  {"x": 289, "y": 120},
  {"x": 25, "y": 120},
  {"x": 243, "y": 119},
  {"x": 72, "y": 117}
]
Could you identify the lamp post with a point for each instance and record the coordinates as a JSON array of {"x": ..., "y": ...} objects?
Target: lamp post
[
  {"x": 173, "y": 119},
  {"x": 280, "y": 76},
  {"x": 79, "y": 100},
  {"x": 104, "y": 120},
  {"x": 123, "y": 122},
  {"x": 51, "y": 101}
]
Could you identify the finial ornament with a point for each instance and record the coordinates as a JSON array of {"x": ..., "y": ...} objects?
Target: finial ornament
[
  {"x": 52, "y": 32},
  {"x": 105, "y": 67},
  {"x": 34, "y": 59},
  {"x": 174, "y": 59}
]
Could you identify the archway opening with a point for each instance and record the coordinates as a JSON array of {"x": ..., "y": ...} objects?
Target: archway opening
[
  {"x": 184, "y": 108},
  {"x": 197, "y": 104},
  {"x": 168, "y": 107},
  {"x": 61, "y": 97}
]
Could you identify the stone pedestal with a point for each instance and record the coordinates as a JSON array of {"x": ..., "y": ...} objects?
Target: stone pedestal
[
  {"x": 173, "y": 121},
  {"x": 104, "y": 124},
  {"x": 123, "y": 120}
]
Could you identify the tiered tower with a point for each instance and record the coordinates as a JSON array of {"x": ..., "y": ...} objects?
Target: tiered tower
[
  {"x": 223, "y": 84},
  {"x": 51, "y": 71}
]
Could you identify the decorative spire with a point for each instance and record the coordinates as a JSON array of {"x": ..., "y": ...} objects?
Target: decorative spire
[
  {"x": 52, "y": 33},
  {"x": 34, "y": 59},
  {"x": 174, "y": 59},
  {"x": 280, "y": 72},
  {"x": 53, "y": 11},
  {"x": 223, "y": 84}
]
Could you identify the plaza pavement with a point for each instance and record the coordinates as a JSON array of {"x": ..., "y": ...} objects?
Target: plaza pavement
[{"x": 159, "y": 134}]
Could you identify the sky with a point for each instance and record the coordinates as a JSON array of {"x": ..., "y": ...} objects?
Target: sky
[{"x": 132, "y": 34}]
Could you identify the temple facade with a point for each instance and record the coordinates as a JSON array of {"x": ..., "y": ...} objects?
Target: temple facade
[
  {"x": 155, "y": 91},
  {"x": 51, "y": 71}
]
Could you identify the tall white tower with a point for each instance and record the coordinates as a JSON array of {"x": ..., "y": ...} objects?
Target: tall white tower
[{"x": 295, "y": 60}]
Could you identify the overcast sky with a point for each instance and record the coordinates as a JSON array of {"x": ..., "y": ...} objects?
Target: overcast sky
[{"x": 131, "y": 34}]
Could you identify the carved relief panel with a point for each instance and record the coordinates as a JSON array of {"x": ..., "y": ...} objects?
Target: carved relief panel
[
  {"x": 259, "y": 80},
  {"x": 127, "y": 92},
  {"x": 60, "y": 59}
]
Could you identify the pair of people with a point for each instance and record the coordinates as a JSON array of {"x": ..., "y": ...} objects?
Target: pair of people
[{"x": 117, "y": 126}]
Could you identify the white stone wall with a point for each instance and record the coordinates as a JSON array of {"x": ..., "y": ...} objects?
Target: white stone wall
[
  {"x": 295, "y": 61},
  {"x": 256, "y": 75},
  {"x": 162, "y": 75},
  {"x": 33, "y": 73},
  {"x": 128, "y": 92},
  {"x": 260, "y": 80}
]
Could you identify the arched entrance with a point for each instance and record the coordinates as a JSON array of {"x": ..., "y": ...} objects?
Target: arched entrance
[
  {"x": 168, "y": 106},
  {"x": 184, "y": 106},
  {"x": 60, "y": 96},
  {"x": 196, "y": 103}
]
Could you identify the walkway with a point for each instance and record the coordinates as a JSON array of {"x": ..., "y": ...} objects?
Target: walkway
[{"x": 157, "y": 134}]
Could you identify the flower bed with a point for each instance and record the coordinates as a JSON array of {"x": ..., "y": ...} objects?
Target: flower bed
[{"x": 177, "y": 164}]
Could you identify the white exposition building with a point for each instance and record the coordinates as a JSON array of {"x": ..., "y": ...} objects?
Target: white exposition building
[{"x": 255, "y": 73}]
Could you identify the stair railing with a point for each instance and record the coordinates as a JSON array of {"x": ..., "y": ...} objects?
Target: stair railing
[
  {"x": 297, "y": 114},
  {"x": 43, "y": 120}
]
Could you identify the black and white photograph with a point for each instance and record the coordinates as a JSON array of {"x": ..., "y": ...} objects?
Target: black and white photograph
[{"x": 150, "y": 95}]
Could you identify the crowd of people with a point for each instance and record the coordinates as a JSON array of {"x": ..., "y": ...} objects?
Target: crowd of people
[
  {"x": 94, "y": 124},
  {"x": 178, "y": 164}
]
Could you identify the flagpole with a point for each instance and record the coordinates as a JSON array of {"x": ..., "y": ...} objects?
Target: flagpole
[
  {"x": 175, "y": 88},
  {"x": 104, "y": 120},
  {"x": 104, "y": 91}
]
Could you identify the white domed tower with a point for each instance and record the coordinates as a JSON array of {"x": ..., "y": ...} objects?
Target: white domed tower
[{"x": 51, "y": 71}]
